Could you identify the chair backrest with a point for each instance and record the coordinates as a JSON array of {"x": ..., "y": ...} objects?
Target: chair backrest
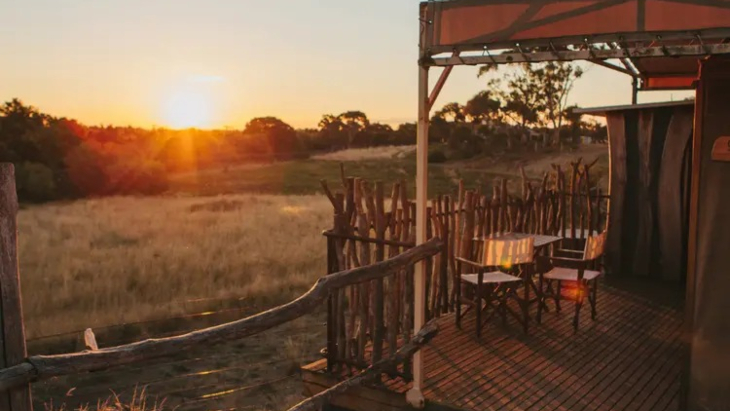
[
  {"x": 506, "y": 253},
  {"x": 595, "y": 246}
]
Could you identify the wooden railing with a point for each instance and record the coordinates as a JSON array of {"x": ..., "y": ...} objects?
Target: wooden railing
[
  {"x": 17, "y": 370},
  {"x": 366, "y": 321}
]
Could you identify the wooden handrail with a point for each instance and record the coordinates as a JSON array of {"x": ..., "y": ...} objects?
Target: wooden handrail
[
  {"x": 330, "y": 233},
  {"x": 46, "y": 366}
]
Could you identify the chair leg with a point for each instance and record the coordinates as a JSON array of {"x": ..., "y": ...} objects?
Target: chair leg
[
  {"x": 594, "y": 301},
  {"x": 503, "y": 306},
  {"x": 582, "y": 291},
  {"x": 557, "y": 296},
  {"x": 540, "y": 300},
  {"x": 525, "y": 305},
  {"x": 478, "y": 308},
  {"x": 458, "y": 312}
]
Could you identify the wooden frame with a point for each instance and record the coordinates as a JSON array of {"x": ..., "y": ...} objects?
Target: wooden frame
[
  {"x": 494, "y": 294},
  {"x": 584, "y": 287},
  {"x": 472, "y": 32}
]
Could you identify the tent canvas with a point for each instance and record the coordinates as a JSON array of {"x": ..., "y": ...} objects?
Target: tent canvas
[{"x": 657, "y": 41}]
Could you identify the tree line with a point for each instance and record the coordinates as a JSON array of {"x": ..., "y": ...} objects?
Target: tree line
[{"x": 59, "y": 158}]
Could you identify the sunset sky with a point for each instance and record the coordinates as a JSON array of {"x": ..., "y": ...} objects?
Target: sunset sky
[{"x": 218, "y": 63}]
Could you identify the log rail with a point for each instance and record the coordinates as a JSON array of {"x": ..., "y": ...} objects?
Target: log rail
[{"x": 41, "y": 367}]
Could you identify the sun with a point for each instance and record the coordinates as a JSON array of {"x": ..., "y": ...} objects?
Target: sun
[{"x": 186, "y": 109}]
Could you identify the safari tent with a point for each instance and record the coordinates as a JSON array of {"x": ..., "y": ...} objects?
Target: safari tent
[{"x": 666, "y": 223}]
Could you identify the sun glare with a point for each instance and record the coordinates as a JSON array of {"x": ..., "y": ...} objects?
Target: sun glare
[{"x": 187, "y": 109}]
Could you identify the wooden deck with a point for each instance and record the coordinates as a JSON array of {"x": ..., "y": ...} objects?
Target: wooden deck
[{"x": 629, "y": 359}]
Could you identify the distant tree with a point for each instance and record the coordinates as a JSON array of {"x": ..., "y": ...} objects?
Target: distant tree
[
  {"x": 35, "y": 182},
  {"x": 86, "y": 170},
  {"x": 557, "y": 80},
  {"x": 452, "y": 112},
  {"x": 405, "y": 134},
  {"x": 451, "y": 117},
  {"x": 482, "y": 107},
  {"x": 439, "y": 129},
  {"x": 519, "y": 98},
  {"x": 575, "y": 125},
  {"x": 280, "y": 136},
  {"x": 376, "y": 134},
  {"x": 354, "y": 122},
  {"x": 332, "y": 131},
  {"x": 535, "y": 94}
]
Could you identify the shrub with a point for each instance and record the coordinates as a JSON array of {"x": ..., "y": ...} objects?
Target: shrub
[
  {"x": 437, "y": 156},
  {"x": 35, "y": 182}
]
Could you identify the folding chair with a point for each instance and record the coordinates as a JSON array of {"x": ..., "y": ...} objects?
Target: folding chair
[
  {"x": 581, "y": 273},
  {"x": 490, "y": 284}
]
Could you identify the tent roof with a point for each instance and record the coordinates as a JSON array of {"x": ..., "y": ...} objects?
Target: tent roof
[
  {"x": 659, "y": 41},
  {"x": 602, "y": 111}
]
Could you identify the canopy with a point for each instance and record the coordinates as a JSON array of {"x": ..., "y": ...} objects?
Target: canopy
[{"x": 656, "y": 41}]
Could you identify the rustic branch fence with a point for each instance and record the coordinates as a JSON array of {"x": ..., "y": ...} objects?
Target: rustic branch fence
[
  {"x": 17, "y": 370},
  {"x": 370, "y": 319}
]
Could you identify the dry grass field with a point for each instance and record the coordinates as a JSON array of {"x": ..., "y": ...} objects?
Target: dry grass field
[
  {"x": 105, "y": 262},
  {"x": 116, "y": 260},
  {"x": 370, "y": 153}
]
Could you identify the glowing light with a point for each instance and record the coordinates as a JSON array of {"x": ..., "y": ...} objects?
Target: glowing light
[
  {"x": 294, "y": 210},
  {"x": 186, "y": 109}
]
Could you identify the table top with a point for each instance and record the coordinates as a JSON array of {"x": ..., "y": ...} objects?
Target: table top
[{"x": 541, "y": 240}]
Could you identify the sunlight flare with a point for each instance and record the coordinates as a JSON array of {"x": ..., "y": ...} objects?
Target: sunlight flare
[{"x": 186, "y": 109}]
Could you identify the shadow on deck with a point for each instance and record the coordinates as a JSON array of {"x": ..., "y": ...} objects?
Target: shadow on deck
[{"x": 629, "y": 359}]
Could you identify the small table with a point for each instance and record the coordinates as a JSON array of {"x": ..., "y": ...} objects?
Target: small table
[{"x": 541, "y": 242}]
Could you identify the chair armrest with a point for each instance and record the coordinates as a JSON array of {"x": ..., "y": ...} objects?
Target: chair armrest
[
  {"x": 568, "y": 251},
  {"x": 565, "y": 262},
  {"x": 469, "y": 262}
]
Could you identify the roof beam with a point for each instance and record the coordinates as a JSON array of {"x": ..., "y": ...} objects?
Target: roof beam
[
  {"x": 608, "y": 65},
  {"x": 571, "y": 55},
  {"x": 708, "y": 35},
  {"x": 439, "y": 86}
]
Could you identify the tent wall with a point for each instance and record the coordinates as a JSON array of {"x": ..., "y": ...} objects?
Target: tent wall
[
  {"x": 649, "y": 196},
  {"x": 709, "y": 292}
]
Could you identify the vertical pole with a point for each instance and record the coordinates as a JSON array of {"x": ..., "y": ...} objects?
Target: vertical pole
[
  {"x": 12, "y": 334},
  {"x": 634, "y": 90},
  {"x": 415, "y": 395},
  {"x": 331, "y": 309}
]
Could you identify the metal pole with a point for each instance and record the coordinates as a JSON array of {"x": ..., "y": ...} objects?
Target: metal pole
[{"x": 415, "y": 395}]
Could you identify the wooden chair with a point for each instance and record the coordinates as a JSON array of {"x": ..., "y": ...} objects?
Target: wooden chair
[
  {"x": 490, "y": 284},
  {"x": 581, "y": 273}
]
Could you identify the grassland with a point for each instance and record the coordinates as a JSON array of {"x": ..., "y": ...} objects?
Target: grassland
[
  {"x": 370, "y": 153},
  {"x": 115, "y": 260},
  {"x": 389, "y": 165}
]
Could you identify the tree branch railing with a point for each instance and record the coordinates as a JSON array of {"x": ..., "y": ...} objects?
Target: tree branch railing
[
  {"x": 42, "y": 367},
  {"x": 422, "y": 338}
]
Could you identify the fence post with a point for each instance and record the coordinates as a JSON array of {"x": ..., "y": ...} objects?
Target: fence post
[
  {"x": 12, "y": 337},
  {"x": 331, "y": 310}
]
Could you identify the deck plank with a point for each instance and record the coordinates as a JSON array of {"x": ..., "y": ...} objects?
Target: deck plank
[{"x": 629, "y": 359}]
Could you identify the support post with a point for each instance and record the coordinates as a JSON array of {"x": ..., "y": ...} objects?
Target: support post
[
  {"x": 12, "y": 334},
  {"x": 415, "y": 395},
  {"x": 634, "y": 90}
]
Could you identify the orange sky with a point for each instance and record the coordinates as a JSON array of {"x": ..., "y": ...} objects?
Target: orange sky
[{"x": 218, "y": 63}]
